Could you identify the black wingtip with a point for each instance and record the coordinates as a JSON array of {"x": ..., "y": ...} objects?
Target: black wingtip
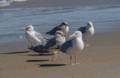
[{"x": 47, "y": 32}]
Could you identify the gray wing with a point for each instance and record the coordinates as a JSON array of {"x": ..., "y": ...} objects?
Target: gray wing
[
  {"x": 84, "y": 29},
  {"x": 51, "y": 43},
  {"x": 66, "y": 46},
  {"x": 39, "y": 49},
  {"x": 57, "y": 28},
  {"x": 53, "y": 31}
]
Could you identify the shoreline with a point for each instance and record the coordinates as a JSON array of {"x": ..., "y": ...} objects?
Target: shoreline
[{"x": 22, "y": 45}]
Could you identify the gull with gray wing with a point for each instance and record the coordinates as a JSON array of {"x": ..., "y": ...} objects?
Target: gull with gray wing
[
  {"x": 73, "y": 46},
  {"x": 88, "y": 31},
  {"x": 62, "y": 27}
]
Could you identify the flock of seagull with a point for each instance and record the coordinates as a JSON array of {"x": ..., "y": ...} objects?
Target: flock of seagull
[{"x": 61, "y": 40}]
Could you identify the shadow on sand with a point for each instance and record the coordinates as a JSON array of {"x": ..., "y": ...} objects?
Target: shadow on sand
[
  {"x": 40, "y": 54},
  {"x": 36, "y": 60},
  {"x": 15, "y": 52},
  {"x": 51, "y": 65}
]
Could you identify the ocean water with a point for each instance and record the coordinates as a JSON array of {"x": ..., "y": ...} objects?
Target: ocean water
[{"x": 13, "y": 20}]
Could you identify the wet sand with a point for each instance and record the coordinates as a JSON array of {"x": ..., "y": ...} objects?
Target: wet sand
[{"x": 100, "y": 60}]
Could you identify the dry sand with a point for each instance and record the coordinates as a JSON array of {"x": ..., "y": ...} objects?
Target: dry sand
[{"x": 100, "y": 60}]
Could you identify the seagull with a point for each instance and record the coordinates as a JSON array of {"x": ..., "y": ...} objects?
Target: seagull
[
  {"x": 62, "y": 27},
  {"x": 73, "y": 46},
  {"x": 87, "y": 31},
  {"x": 55, "y": 43},
  {"x": 35, "y": 40}
]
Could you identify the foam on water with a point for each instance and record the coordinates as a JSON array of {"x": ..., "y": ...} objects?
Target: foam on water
[
  {"x": 5, "y": 3},
  {"x": 44, "y": 18}
]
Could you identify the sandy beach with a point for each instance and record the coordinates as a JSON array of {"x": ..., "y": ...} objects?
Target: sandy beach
[{"x": 100, "y": 60}]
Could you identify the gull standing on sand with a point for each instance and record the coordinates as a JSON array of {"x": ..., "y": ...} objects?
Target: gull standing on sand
[
  {"x": 34, "y": 39},
  {"x": 55, "y": 43},
  {"x": 73, "y": 46},
  {"x": 62, "y": 27},
  {"x": 87, "y": 31}
]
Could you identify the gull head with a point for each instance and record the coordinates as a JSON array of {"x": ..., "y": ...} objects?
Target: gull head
[
  {"x": 91, "y": 29},
  {"x": 64, "y": 23},
  {"x": 29, "y": 28},
  {"x": 76, "y": 34},
  {"x": 90, "y": 23}
]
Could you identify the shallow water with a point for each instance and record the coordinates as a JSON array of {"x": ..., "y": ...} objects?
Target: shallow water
[{"x": 13, "y": 20}]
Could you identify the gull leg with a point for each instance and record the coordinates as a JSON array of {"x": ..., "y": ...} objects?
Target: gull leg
[
  {"x": 87, "y": 43},
  {"x": 70, "y": 59},
  {"x": 54, "y": 57},
  {"x": 76, "y": 60}
]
